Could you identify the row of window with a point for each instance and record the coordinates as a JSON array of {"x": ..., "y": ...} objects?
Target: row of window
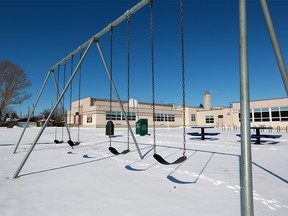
[
  {"x": 208, "y": 118},
  {"x": 256, "y": 115},
  {"x": 120, "y": 116},
  {"x": 132, "y": 116},
  {"x": 268, "y": 114},
  {"x": 164, "y": 117}
]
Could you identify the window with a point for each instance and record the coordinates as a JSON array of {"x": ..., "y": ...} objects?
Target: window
[
  {"x": 257, "y": 115},
  {"x": 120, "y": 116},
  {"x": 251, "y": 119},
  {"x": 275, "y": 113},
  {"x": 265, "y": 114},
  {"x": 164, "y": 117},
  {"x": 193, "y": 117},
  {"x": 170, "y": 117},
  {"x": 89, "y": 118},
  {"x": 268, "y": 114},
  {"x": 209, "y": 119},
  {"x": 284, "y": 113},
  {"x": 131, "y": 117}
]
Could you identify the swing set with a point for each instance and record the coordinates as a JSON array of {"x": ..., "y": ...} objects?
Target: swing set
[
  {"x": 61, "y": 96},
  {"x": 246, "y": 162}
]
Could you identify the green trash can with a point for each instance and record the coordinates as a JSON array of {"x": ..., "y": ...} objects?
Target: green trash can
[
  {"x": 109, "y": 128},
  {"x": 142, "y": 127}
]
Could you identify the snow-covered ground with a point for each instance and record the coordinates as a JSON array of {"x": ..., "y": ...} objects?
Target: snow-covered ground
[{"x": 89, "y": 180}]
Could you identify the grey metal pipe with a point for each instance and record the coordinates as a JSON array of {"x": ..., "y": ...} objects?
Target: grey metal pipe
[
  {"x": 32, "y": 111},
  {"x": 119, "y": 100},
  {"x": 52, "y": 111},
  {"x": 247, "y": 208},
  {"x": 276, "y": 47},
  {"x": 105, "y": 30}
]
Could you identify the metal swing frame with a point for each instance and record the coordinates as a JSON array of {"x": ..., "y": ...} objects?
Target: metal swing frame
[{"x": 86, "y": 45}]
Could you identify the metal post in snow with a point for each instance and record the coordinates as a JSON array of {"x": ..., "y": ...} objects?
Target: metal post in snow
[
  {"x": 247, "y": 208},
  {"x": 119, "y": 100},
  {"x": 276, "y": 47},
  {"x": 32, "y": 111},
  {"x": 16, "y": 174}
]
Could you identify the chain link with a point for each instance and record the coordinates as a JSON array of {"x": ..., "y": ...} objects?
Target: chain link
[
  {"x": 79, "y": 95},
  {"x": 111, "y": 64},
  {"x": 63, "y": 99},
  {"x": 128, "y": 76},
  {"x": 183, "y": 75},
  {"x": 153, "y": 73},
  {"x": 71, "y": 71}
]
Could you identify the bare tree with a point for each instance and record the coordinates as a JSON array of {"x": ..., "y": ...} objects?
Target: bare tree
[
  {"x": 57, "y": 116},
  {"x": 11, "y": 112},
  {"x": 13, "y": 82},
  {"x": 45, "y": 113}
]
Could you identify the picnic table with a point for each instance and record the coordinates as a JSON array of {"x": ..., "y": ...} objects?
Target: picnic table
[
  {"x": 258, "y": 135},
  {"x": 202, "y": 133}
]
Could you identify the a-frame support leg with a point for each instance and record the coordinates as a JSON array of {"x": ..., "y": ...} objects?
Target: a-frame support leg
[{"x": 16, "y": 174}]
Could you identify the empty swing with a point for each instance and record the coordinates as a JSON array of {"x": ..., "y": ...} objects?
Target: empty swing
[
  {"x": 158, "y": 157},
  {"x": 70, "y": 142},
  {"x": 112, "y": 149},
  {"x": 57, "y": 116}
]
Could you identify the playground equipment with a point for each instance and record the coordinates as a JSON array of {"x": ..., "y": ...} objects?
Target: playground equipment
[
  {"x": 87, "y": 45},
  {"x": 110, "y": 125},
  {"x": 158, "y": 157},
  {"x": 246, "y": 157}
]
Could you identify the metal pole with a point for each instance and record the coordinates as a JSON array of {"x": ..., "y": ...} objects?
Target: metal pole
[
  {"x": 62, "y": 106},
  {"x": 119, "y": 100},
  {"x": 106, "y": 29},
  {"x": 32, "y": 111},
  {"x": 276, "y": 47},
  {"x": 246, "y": 158},
  {"x": 48, "y": 118}
]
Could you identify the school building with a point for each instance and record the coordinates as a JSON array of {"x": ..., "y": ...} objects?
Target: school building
[{"x": 94, "y": 112}]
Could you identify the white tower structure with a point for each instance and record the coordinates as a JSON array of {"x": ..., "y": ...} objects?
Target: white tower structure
[{"x": 207, "y": 100}]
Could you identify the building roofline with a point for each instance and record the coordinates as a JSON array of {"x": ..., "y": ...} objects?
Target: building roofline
[{"x": 263, "y": 99}]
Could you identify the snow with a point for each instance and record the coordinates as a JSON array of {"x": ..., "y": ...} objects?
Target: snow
[{"x": 92, "y": 181}]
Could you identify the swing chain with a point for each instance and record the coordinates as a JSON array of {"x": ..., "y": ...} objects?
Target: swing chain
[
  {"x": 70, "y": 114},
  {"x": 63, "y": 99},
  {"x": 111, "y": 63},
  {"x": 183, "y": 75},
  {"x": 128, "y": 75},
  {"x": 57, "y": 96},
  {"x": 153, "y": 73},
  {"x": 79, "y": 96}
]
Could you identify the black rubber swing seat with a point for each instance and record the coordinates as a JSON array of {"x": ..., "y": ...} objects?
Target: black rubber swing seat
[
  {"x": 163, "y": 161},
  {"x": 72, "y": 144},
  {"x": 115, "y": 152},
  {"x": 58, "y": 142}
]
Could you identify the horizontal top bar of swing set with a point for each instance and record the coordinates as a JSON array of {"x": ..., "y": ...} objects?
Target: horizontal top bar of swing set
[{"x": 128, "y": 13}]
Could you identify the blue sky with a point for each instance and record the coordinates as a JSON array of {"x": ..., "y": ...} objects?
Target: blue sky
[{"x": 38, "y": 34}]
